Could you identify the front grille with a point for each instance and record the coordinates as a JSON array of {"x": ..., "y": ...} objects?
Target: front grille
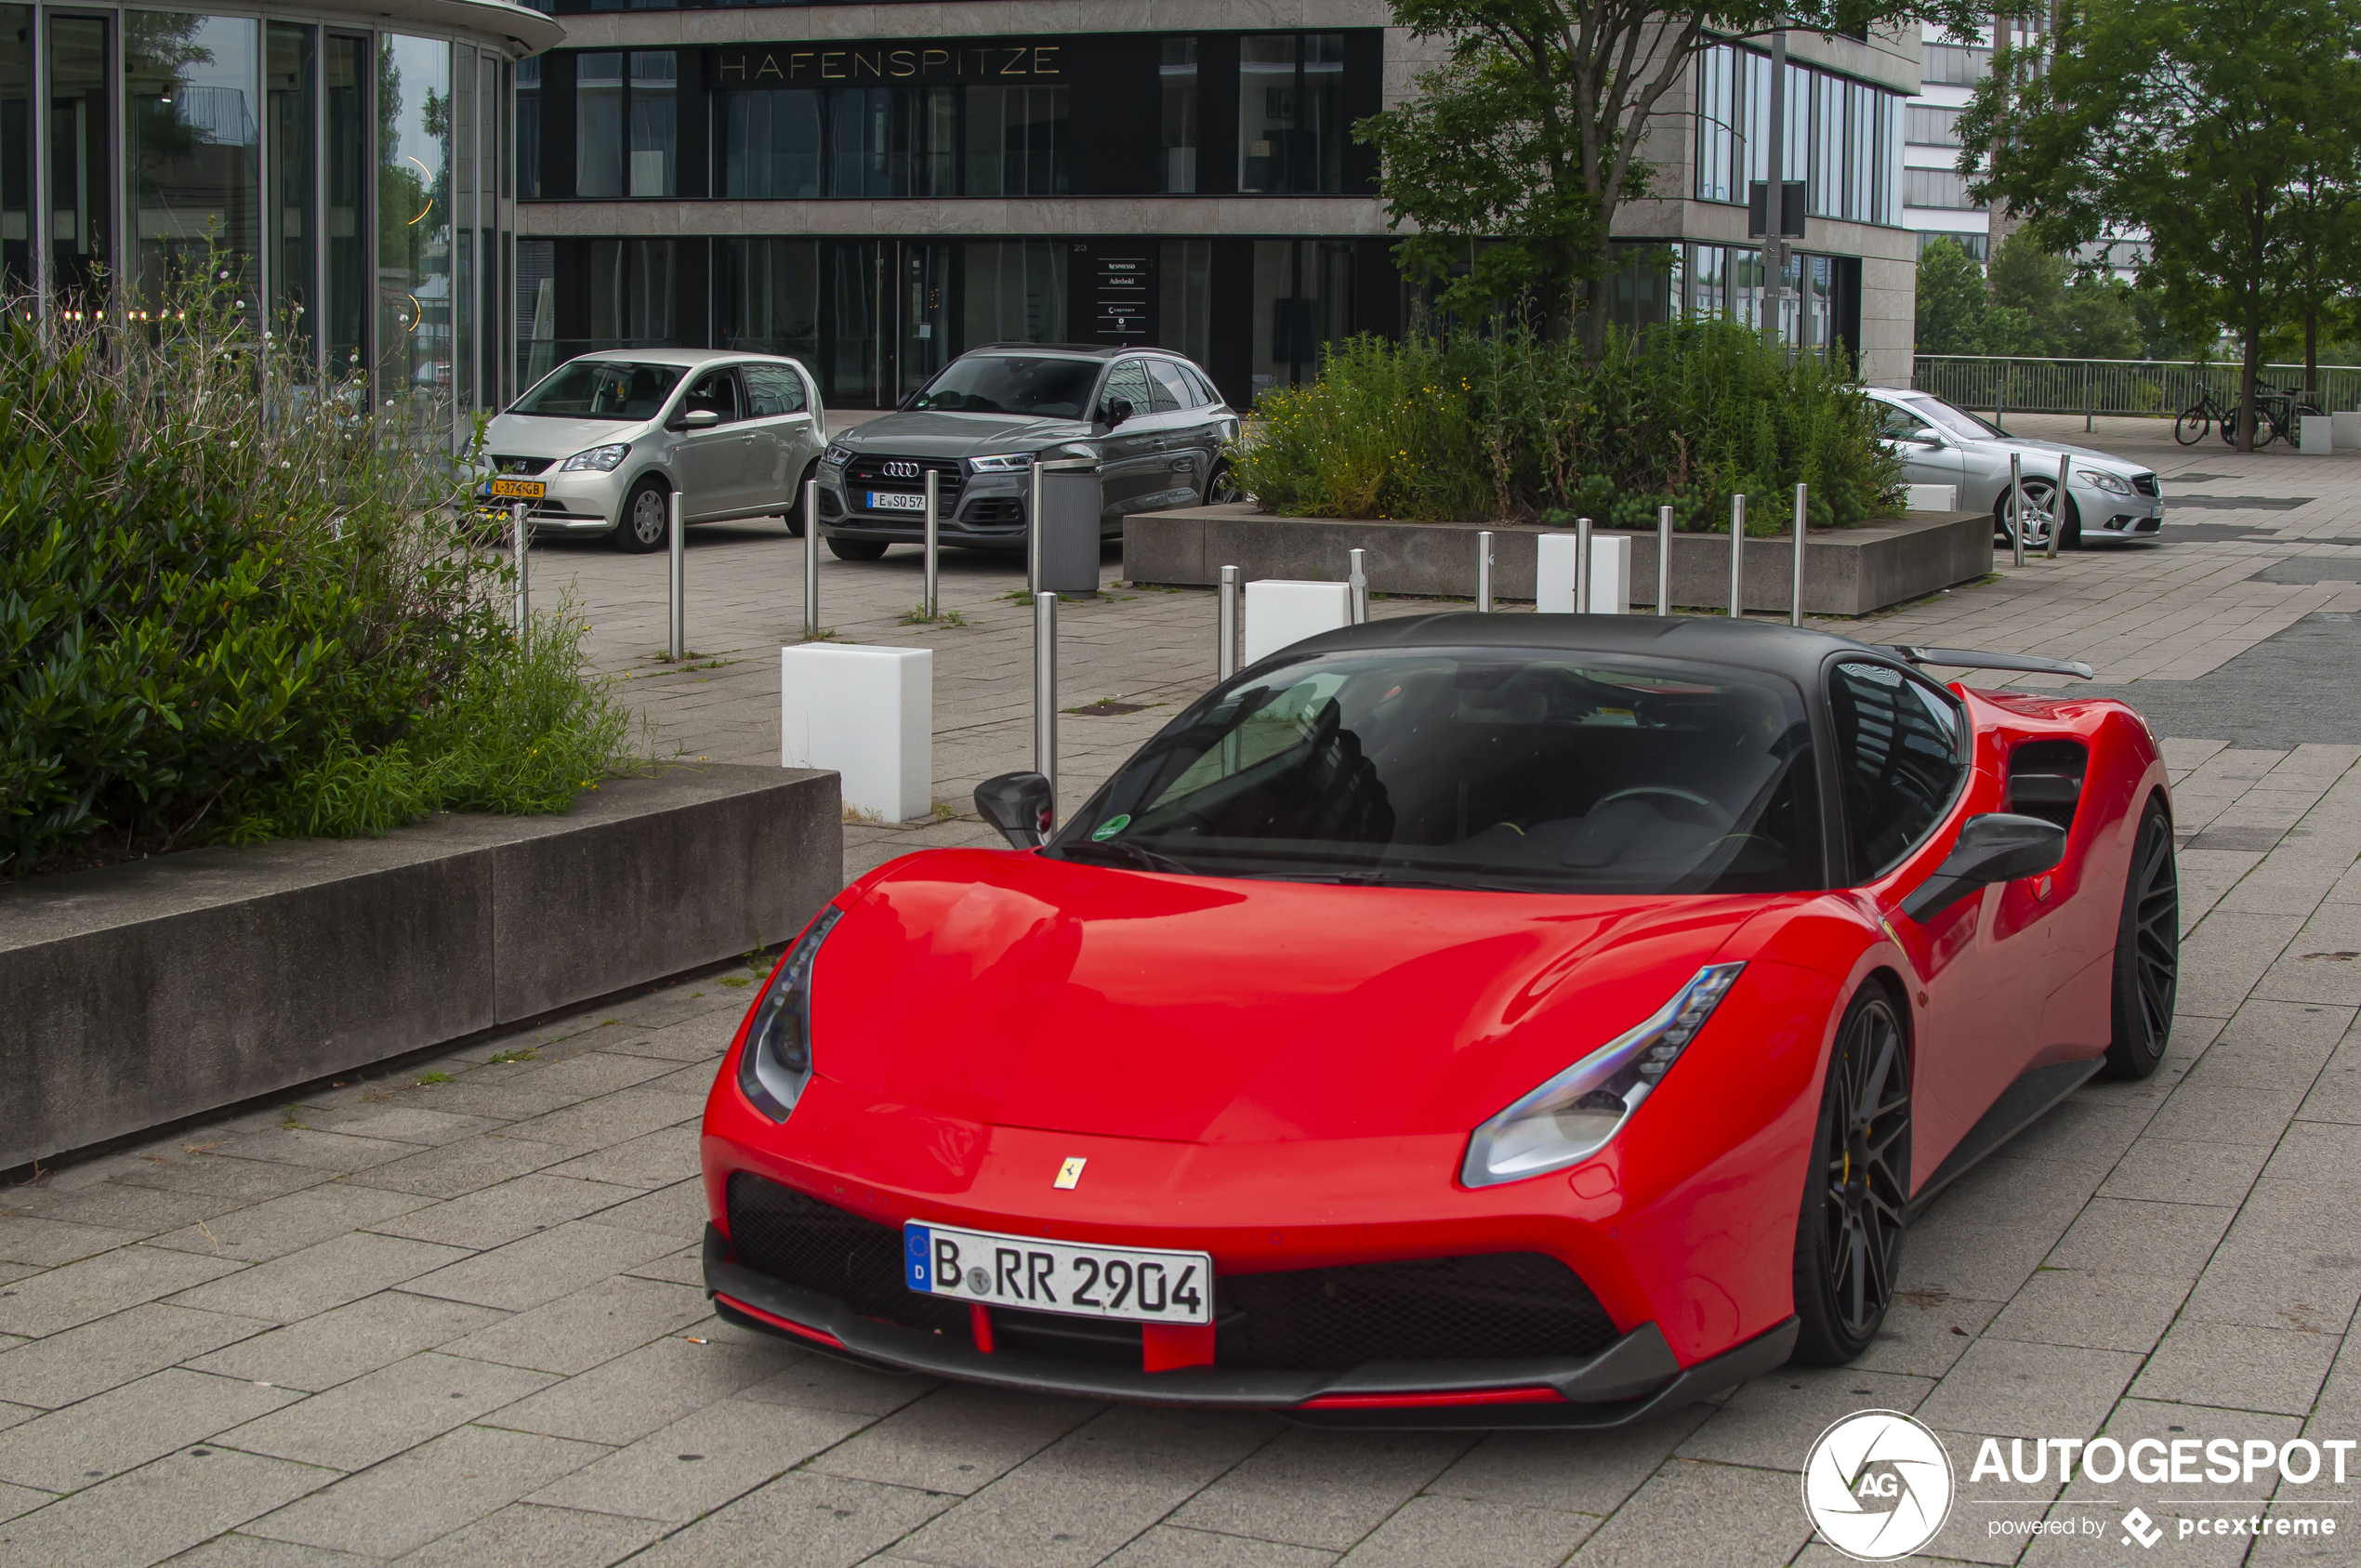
[
  {"x": 996, "y": 511},
  {"x": 2145, "y": 484},
  {"x": 1497, "y": 1305},
  {"x": 800, "y": 1241},
  {"x": 864, "y": 474},
  {"x": 519, "y": 465}
]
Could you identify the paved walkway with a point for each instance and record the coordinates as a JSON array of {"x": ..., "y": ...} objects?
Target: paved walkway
[{"x": 451, "y": 1316}]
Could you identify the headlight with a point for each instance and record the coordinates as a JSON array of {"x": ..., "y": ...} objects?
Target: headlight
[
  {"x": 777, "y": 1060},
  {"x": 2099, "y": 478},
  {"x": 1572, "y": 1115},
  {"x": 1005, "y": 463},
  {"x": 836, "y": 456},
  {"x": 599, "y": 459}
]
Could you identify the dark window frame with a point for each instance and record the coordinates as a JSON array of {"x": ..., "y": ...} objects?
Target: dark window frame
[{"x": 1844, "y": 847}]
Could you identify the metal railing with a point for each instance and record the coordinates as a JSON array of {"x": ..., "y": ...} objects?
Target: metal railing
[{"x": 2155, "y": 388}]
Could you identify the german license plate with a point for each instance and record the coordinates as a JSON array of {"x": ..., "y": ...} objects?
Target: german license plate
[
  {"x": 896, "y": 501},
  {"x": 517, "y": 489},
  {"x": 1136, "y": 1284}
]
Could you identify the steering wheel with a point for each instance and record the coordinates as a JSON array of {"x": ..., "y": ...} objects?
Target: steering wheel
[{"x": 1722, "y": 819}]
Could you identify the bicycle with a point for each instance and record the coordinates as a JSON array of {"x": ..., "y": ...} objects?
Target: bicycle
[
  {"x": 2198, "y": 418},
  {"x": 2276, "y": 410}
]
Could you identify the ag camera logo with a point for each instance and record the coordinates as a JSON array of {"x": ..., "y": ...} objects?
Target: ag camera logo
[{"x": 1878, "y": 1486}]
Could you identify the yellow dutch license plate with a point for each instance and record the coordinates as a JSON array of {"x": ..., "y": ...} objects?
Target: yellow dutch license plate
[{"x": 518, "y": 490}]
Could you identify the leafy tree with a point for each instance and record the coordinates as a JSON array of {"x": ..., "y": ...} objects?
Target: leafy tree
[
  {"x": 2197, "y": 120},
  {"x": 1955, "y": 306},
  {"x": 1514, "y": 158}
]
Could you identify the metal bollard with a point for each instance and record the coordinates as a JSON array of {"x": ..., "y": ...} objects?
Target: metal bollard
[
  {"x": 1803, "y": 511},
  {"x": 1225, "y": 627},
  {"x": 676, "y": 644},
  {"x": 2016, "y": 507},
  {"x": 2085, "y": 405},
  {"x": 521, "y": 537},
  {"x": 1582, "y": 566},
  {"x": 1356, "y": 578},
  {"x": 1664, "y": 561},
  {"x": 811, "y": 558},
  {"x": 2057, "y": 503},
  {"x": 1737, "y": 556},
  {"x": 934, "y": 480},
  {"x": 1484, "y": 572},
  {"x": 1033, "y": 531},
  {"x": 1045, "y": 693}
]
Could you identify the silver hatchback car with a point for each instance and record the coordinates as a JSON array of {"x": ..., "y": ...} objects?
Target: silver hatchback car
[{"x": 600, "y": 445}]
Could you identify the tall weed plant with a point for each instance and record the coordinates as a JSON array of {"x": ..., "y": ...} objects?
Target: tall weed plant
[
  {"x": 1514, "y": 428},
  {"x": 238, "y": 601}
]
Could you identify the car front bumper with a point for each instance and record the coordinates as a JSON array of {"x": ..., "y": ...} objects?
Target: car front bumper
[{"x": 988, "y": 513}]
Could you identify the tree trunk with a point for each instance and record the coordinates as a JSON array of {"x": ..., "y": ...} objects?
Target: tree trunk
[
  {"x": 2250, "y": 366},
  {"x": 2312, "y": 352}
]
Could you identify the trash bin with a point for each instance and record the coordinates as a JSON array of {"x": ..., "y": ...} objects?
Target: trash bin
[{"x": 1066, "y": 536}]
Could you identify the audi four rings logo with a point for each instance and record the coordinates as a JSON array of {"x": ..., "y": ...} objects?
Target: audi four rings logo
[{"x": 902, "y": 470}]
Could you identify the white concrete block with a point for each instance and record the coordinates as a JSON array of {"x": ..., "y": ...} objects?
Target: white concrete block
[
  {"x": 1554, "y": 572},
  {"x": 2345, "y": 427},
  {"x": 2318, "y": 433},
  {"x": 1280, "y": 612},
  {"x": 1610, "y": 575},
  {"x": 1933, "y": 498},
  {"x": 868, "y": 713}
]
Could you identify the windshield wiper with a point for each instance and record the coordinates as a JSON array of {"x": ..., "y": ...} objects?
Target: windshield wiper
[{"x": 1146, "y": 860}]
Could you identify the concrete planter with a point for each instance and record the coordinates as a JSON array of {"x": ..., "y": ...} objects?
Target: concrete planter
[
  {"x": 1847, "y": 572},
  {"x": 141, "y": 994}
]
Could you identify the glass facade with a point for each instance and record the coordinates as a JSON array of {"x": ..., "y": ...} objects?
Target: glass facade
[
  {"x": 16, "y": 150},
  {"x": 921, "y": 140},
  {"x": 626, "y": 132},
  {"x": 1291, "y": 123},
  {"x": 1177, "y": 89},
  {"x": 1842, "y": 136}
]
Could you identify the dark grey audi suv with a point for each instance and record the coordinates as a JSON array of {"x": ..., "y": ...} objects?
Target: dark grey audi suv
[{"x": 1150, "y": 418}]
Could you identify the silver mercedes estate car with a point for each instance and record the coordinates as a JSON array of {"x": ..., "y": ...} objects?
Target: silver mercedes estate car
[
  {"x": 600, "y": 444},
  {"x": 1940, "y": 443},
  {"x": 1151, "y": 420}
]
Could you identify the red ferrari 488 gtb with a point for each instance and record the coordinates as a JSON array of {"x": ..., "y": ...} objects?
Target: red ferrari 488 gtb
[{"x": 1459, "y": 1020}]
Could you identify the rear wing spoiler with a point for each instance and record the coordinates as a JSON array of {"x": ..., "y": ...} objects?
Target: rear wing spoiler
[{"x": 1967, "y": 658}]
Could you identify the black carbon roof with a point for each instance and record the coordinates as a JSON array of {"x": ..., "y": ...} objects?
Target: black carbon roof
[{"x": 1797, "y": 652}]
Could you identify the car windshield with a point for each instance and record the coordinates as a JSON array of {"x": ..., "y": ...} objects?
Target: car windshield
[
  {"x": 1037, "y": 385},
  {"x": 1529, "y": 771},
  {"x": 1959, "y": 421},
  {"x": 601, "y": 390}
]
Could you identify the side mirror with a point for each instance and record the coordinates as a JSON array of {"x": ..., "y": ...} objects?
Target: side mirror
[
  {"x": 1995, "y": 847},
  {"x": 1019, "y": 804},
  {"x": 1117, "y": 410},
  {"x": 699, "y": 419}
]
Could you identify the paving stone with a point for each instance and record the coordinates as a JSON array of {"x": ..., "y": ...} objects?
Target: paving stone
[
  {"x": 235, "y": 1550},
  {"x": 287, "y": 1224},
  {"x": 195, "y": 1167},
  {"x": 651, "y": 1161},
  {"x": 2267, "y": 1285},
  {"x": 684, "y": 1267},
  {"x": 1773, "y": 1420},
  {"x": 959, "y": 1438},
  {"x": 320, "y": 1150},
  {"x": 2200, "y": 1110},
  {"x": 497, "y": 1215},
  {"x": 1925, "y": 1332},
  {"x": 678, "y": 1210},
  {"x": 346, "y": 1341},
  {"x": 1972, "y": 1262},
  {"x": 1065, "y": 1507},
  {"x": 634, "y": 1395},
  {"x": 611, "y": 1119},
  {"x": 544, "y": 1538},
  {"x": 97, "y": 1286},
  {"x": 427, "y": 1492},
  {"x": 2018, "y": 1193},
  {"x": 113, "y": 1350},
  {"x": 2171, "y": 1240},
  {"x": 800, "y": 1521},
  {"x": 575, "y": 1333},
  {"x": 542, "y": 1267},
  {"x": 1321, "y": 1488},
  {"x": 1749, "y": 1516},
  {"x": 2006, "y": 1387},
  {"x": 2167, "y": 1170},
  {"x": 2084, "y": 1129},
  {"x": 379, "y": 1414},
  {"x": 2235, "y": 1365},
  {"x": 125, "y": 1428},
  {"x": 158, "y": 1510},
  {"x": 1967, "y": 1535},
  {"x": 1448, "y": 1533},
  {"x": 1166, "y": 1546},
  {"x": 324, "y": 1274},
  {"x": 458, "y": 1168},
  {"x": 822, "y": 1383},
  {"x": 47, "y": 1243},
  {"x": 2138, "y": 1419},
  {"x": 697, "y": 1464},
  {"x": 2106, "y": 1311},
  {"x": 403, "y": 1124},
  {"x": 141, "y": 1210},
  {"x": 1569, "y": 1472}
]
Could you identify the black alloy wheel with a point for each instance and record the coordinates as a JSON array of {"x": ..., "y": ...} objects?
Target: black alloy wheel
[
  {"x": 647, "y": 517},
  {"x": 2147, "y": 950},
  {"x": 1220, "y": 486},
  {"x": 1857, "y": 1198}
]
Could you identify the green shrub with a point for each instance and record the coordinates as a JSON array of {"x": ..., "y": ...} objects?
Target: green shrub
[
  {"x": 1514, "y": 429},
  {"x": 235, "y": 604}
]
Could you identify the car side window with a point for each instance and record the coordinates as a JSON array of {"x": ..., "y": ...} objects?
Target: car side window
[
  {"x": 772, "y": 390},
  {"x": 1207, "y": 394},
  {"x": 717, "y": 390},
  {"x": 1897, "y": 760},
  {"x": 1128, "y": 381},
  {"x": 1172, "y": 392}
]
